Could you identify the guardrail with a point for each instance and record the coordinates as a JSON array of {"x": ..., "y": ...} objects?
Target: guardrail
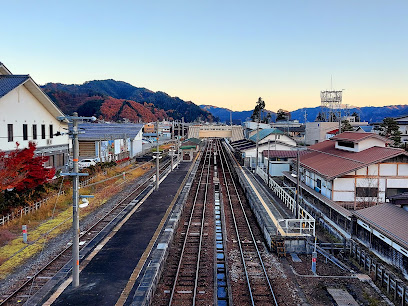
[
  {"x": 305, "y": 224},
  {"x": 394, "y": 286}
]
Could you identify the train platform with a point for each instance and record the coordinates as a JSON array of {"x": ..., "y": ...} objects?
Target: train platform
[
  {"x": 111, "y": 269},
  {"x": 274, "y": 218}
]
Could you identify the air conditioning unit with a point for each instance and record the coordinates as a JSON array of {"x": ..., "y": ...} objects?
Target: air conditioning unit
[{"x": 49, "y": 141}]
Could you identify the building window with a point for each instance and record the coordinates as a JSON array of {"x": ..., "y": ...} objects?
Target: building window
[
  {"x": 25, "y": 132},
  {"x": 51, "y": 131},
  {"x": 318, "y": 186},
  {"x": 367, "y": 192},
  {"x": 42, "y": 131},
  {"x": 347, "y": 144},
  {"x": 34, "y": 131},
  {"x": 10, "y": 132}
]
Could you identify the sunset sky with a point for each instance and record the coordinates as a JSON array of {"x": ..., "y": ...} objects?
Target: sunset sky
[{"x": 223, "y": 53}]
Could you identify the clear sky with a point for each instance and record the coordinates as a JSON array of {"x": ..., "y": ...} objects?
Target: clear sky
[{"x": 224, "y": 53}]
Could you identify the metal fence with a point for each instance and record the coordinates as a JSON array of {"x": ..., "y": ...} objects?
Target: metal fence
[{"x": 26, "y": 210}]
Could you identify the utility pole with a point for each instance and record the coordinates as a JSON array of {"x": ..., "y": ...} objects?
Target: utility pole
[
  {"x": 75, "y": 194},
  {"x": 297, "y": 183},
  {"x": 269, "y": 143},
  {"x": 172, "y": 147},
  {"x": 182, "y": 126},
  {"x": 75, "y": 199},
  {"x": 157, "y": 155},
  {"x": 257, "y": 140}
]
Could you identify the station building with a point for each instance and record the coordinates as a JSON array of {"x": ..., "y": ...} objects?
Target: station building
[
  {"x": 347, "y": 183},
  {"x": 28, "y": 114}
]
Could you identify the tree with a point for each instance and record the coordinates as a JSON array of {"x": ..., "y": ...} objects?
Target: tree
[
  {"x": 346, "y": 126},
  {"x": 12, "y": 170},
  {"x": 390, "y": 129},
  {"x": 22, "y": 170},
  {"x": 260, "y": 105},
  {"x": 320, "y": 117},
  {"x": 282, "y": 115},
  {"x": 268, "y": 118},
  {"x": 356, "y": 116}
]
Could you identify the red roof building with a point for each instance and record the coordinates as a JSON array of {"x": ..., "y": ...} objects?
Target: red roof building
[{"x": 355, "y": 170}]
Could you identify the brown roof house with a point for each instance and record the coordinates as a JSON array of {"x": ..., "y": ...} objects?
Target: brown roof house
[{"x": 355, "y": 170}]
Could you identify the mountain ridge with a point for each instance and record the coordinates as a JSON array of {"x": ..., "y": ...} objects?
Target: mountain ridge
[
  {"x": 102, "y": 98},
  {"x": 369, "y": 114}
]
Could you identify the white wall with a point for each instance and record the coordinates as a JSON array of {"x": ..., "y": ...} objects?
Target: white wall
[
  {"x": 137, "y": 144},
  {"x": 20, "y": 107},
  {"x": 279, "y": 137},
  {"x": 368, "y": 143}
]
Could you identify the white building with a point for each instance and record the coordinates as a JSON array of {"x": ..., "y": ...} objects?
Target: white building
[
  {"x": 110, "y": 141},
  {"x": 28, "y": 114},
  {"x": 272, "y": 135},
  {"x": 403, "y": 127},
  {"x": 355, "y": 170}
]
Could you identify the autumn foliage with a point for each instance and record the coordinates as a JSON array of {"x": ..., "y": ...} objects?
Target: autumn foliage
[{"x": 22, "y": 170}]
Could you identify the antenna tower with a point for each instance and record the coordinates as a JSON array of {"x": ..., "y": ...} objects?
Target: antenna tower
[{"x": 331, "y": 104}]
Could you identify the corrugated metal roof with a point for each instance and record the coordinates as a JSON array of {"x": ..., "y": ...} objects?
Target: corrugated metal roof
[
  {"x": 187, "y": 147},
  {"x": 194, "y": 140},
  {"x": 107, "y": 131},
  {"x": 9, "y": 82},
  {"x": 329, "y": 162},
  {"x": 366, "y": 128},
  {"x": 388, "y": 219},
  {"x": 282, "y": 153},
  {"x": 264, "y": 133}
]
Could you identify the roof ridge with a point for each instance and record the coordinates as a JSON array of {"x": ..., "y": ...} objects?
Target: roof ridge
[{"x": 15, "y": 75}]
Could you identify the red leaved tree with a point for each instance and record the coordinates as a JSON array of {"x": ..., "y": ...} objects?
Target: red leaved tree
[
  {"x": 12, "y": 170},
  {"x": 22, "y": 170}
]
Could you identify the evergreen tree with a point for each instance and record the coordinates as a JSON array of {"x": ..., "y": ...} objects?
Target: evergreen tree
[
  {"x": 346, "y": 126},
  {"x": 260, "y": 105},
  {"x": 390, "y": 129}
]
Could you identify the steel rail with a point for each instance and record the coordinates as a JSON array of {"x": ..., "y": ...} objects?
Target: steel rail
[
  {"x": 134, "y": 193},
  {"x": 202, "y": 229},
  {"x": 250, "y": 230},
  {"x": 207, "y": 156}
]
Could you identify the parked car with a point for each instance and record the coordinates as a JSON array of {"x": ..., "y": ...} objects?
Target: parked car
[{"x": 87, "y": 162}]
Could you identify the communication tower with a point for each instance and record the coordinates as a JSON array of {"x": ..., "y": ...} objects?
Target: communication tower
[{"x": 331, "y": 104}]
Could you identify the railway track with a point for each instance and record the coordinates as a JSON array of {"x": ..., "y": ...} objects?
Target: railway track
[
  {"x": 193, "y": 281},
  {"x": 40, "y": 277},
  {"x": 256, "y": 289},
  {"x": 188, "y": 278}
]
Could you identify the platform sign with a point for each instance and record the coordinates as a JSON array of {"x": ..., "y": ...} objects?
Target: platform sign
[
  {"x": 314, "y": 259},
  {"x": 24, "y": 227}
]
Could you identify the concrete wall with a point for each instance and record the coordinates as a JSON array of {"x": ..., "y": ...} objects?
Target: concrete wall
[
  {"x": 316, "y": 131},
  {"x": 381, "y": 176}
]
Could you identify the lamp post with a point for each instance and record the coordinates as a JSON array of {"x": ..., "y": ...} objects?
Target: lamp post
[{"x": 75, "y": 194}]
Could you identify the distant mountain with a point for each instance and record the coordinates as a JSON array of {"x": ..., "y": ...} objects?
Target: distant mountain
[
  {"x": 115, "y": 100},
  {"x": 369, "y": 114},
  {"x": 237, "y": 117}
]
